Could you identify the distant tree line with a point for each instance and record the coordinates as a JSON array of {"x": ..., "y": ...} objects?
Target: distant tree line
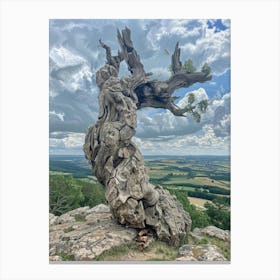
[
  {"x": 191, "y": 173},
  {"x": 206, "y": 188},
  {"x": 163, "y": 179},
  {"x": 216, "y": 190},
  {"x": 70, "y": 167},
  {"x": 209, "y": 196},
  {"x": 219, "y": 176},
  {"x": 177, "y": 168}
]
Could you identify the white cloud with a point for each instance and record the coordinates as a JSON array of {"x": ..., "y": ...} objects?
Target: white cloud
[
  {"x": 212, "y": 48},
  {"x": 64, "y": 57},
  {"x": 154, "y": 123},
  {"x": 226, "y": 22},
  {"x": 160, "y": 73},
  {"x": 163, "y": 29},
  {"x": 197, "y": 41},
  {"x": 200, "y": 94},
  {"x": 68, "y": 71},
  {"x": 66, "y": 140},
  {"x": 60, "y": 116},
  {"x": 75, "y": 57},
  {"x": 202, "y": 143},
  {"x": 73, "y": 92}
]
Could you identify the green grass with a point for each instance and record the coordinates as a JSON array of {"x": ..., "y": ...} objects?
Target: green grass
[
  {"x": 157, "y": 251},
  {"x": 164, "y": 251},
  {"x": 115, "y": 253},
  {"x": 80, "y": 218},
  {"x": 68, "y": 229},
  {"x": 157, "y": 259},
  {"x": 224, "y": 246},
  {"x": 67, "y": 257}
]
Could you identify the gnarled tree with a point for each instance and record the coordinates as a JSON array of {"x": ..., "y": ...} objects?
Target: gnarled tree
[{"x": 116, "y": 161}]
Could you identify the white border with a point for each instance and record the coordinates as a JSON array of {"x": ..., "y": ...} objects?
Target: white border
[{"x": 255, "y": 138}]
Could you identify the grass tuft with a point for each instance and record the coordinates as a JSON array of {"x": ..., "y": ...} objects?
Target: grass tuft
[
  {"x": 68, "y": 229},
  {"x": 67, "y": 257},
  {"x": 80, "y": 218},
  {"x": 115, "y": 253}
]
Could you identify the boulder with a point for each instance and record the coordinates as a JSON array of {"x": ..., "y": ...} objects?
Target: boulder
[
  {"x": 211, "y": 231},
  {"x": 85, "y": 233},
  {"x": 200, "y": 253},
  {"x": 216, "y": 232}
]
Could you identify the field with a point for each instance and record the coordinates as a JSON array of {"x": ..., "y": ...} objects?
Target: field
[
  {"x": 77, "y": 166},
  {"x": 204, "y": 178},
  {"x": 198, "y": 202}
]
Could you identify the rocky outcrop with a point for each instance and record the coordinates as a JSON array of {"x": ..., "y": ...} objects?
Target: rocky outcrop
[
  {"x": 212, "y": 231},
  {"x": 203, "y": 252},
  {"x": 85, "y": 233}
]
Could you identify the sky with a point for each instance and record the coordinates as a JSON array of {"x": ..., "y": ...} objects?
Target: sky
[{"x": 75, "y": 56}]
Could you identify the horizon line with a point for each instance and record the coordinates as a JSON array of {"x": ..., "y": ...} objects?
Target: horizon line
[{"x": 150, "y": 155}]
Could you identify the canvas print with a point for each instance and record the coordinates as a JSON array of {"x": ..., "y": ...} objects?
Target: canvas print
[{"x": 139, "y": 140}]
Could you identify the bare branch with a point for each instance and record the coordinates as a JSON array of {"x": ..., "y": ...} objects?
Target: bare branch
[
  {"x": 131, "y": 57},
  {"x": 111, "y": 60},
  {"x": 158, "y": 94},
  {"x": 176, "y": 64}
]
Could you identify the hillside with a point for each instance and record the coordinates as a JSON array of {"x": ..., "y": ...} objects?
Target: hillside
[
  {"x": 82, "y": 228},
  {"x": 91, "y": 234},
  {"x": 202, "y": 178}
]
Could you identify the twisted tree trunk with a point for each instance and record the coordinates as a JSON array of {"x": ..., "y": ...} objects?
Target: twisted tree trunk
[{"x": 116, "y": 161}]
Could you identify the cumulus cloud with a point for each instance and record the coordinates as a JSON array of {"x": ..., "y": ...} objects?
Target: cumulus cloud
[
  {"x": 59, "y": 116},
  {"x": 164, "y": 123},
  {"x": 64, "y": 57},
  {"x": 75, "y": 57},
  {"x": 60, "y": 142},
  {"x": 204, "y": 142},
  {"x": 73, "y": 93},
  {"x": 197, "y": 41},
  {"x": 213, "y": 48}
]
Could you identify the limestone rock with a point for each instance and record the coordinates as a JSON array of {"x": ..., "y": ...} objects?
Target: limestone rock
[
  {"x": 211, "y": 231},
  {"x": 80, "y": 239},
  {"x": 200, "y": 253},
  {"x": 216, "y": 232},
  {"x": 55, "y": 258},
  {"x": 52, "y": 219}
]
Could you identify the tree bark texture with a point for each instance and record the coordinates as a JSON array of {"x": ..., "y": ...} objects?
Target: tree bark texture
[{"x": 116, "y": 161}]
